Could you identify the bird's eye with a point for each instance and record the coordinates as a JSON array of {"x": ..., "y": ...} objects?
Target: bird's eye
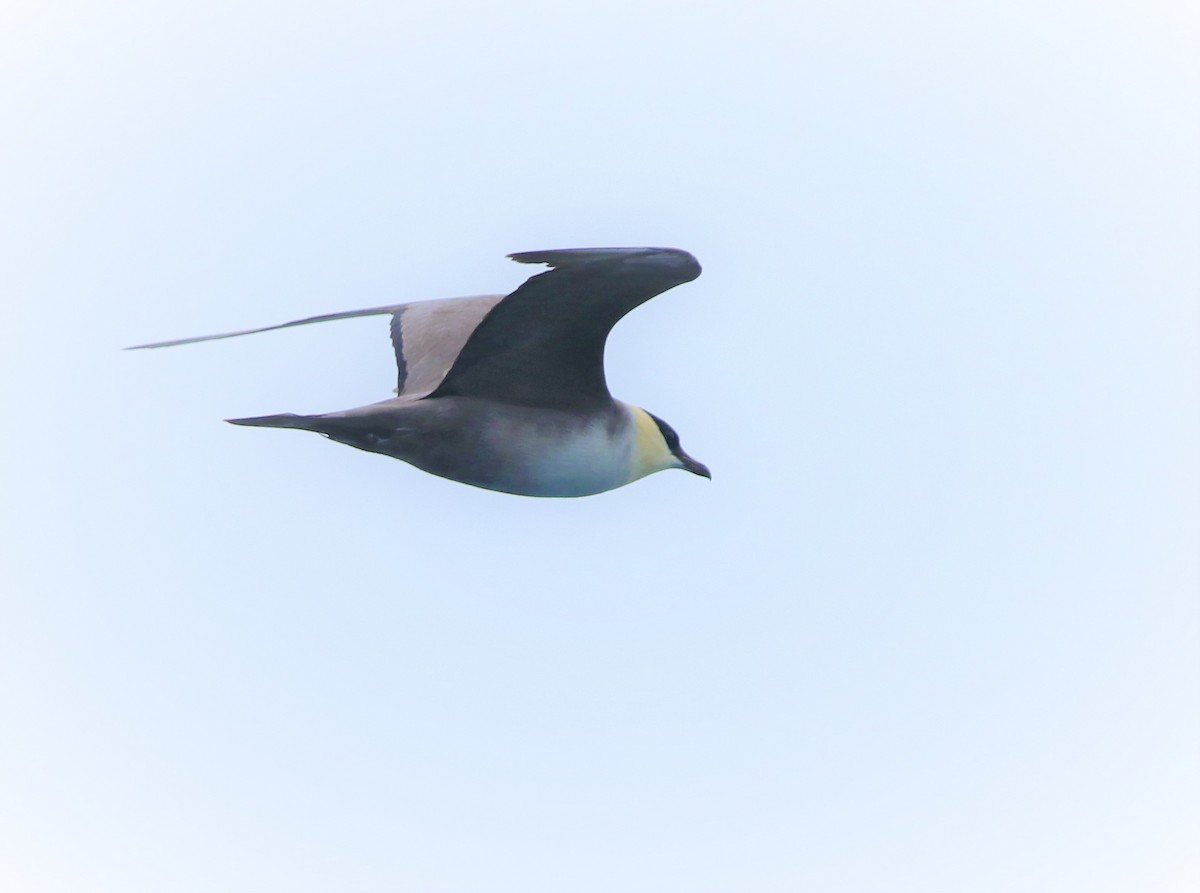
[{"x": 668, "y": 433}]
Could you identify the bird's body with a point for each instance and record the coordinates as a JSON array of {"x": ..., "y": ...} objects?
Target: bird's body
[
  {"x": 516, "y": 449},
  {"x": 508, "y": 393}
]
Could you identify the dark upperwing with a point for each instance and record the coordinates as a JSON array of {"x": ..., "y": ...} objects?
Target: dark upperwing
[{"x": 543, "y": 345}]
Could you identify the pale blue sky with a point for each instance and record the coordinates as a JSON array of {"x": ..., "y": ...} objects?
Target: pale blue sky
[{"x": 932, "y": 628}]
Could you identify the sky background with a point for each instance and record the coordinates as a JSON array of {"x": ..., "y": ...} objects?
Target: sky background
[{"x": 934, "y": 626}]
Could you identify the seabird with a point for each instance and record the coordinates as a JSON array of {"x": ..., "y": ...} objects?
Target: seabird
[{"x": 508, "y": 392}]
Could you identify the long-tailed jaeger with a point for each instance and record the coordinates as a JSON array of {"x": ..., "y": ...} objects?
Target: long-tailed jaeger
[{"x": 508, "y": 392}]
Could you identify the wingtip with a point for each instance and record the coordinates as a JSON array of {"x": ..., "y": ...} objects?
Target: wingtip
[
  {"x": 686, "y": 263},
  {"x": 176, "y": 342}
]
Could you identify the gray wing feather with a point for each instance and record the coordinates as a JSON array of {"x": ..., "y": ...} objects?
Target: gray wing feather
[
  {"x": 426, "y": 335},
  {"x": 327, "y": 317},
  {"x": 543, "y": 345}
]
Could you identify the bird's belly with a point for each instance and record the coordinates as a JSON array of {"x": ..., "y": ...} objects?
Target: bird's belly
[
  {"x": 590, "y": 461},
  {"x": 532, "y": 452}
]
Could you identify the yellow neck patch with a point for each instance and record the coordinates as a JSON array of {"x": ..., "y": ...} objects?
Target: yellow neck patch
[{"x": 650, "y": 453}]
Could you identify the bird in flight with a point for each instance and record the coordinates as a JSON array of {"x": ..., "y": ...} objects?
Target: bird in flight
[{"x": 508, "y": 392}]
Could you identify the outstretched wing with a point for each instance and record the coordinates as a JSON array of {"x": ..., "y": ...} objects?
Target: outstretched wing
[
  {"x": 429, "y": 335},
  {"x": 326, "y": 317},
  {"x": 426, "y": 335},
  {"x": 543, "y": 345}
]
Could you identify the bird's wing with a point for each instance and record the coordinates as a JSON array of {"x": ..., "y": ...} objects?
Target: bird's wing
[
  {"x": 427, "y": 336},
  {"x": 327, "y": 317},
  {"x": 543, "y": 345}
]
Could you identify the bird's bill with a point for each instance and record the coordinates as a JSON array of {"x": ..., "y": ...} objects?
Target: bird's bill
[{"x": 687, "y": 463}]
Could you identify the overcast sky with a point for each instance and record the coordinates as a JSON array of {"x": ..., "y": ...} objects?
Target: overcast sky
[{"x": 933, "y": 626}]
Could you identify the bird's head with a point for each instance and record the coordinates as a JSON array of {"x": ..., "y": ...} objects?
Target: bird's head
[{"x": 658, "y": 447}]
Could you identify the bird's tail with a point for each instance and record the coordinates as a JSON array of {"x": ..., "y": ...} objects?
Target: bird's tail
[
  {"x": 355, "y": 430},
  {"x": 283, "y": 420}
]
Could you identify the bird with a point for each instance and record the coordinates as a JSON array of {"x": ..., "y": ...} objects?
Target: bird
[{"x": 507, "y": 392}]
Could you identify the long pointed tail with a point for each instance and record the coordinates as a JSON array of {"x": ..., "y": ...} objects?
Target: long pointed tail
[
  {"x": 283, "y": 420},
  {"x": 355, "y": 431}
]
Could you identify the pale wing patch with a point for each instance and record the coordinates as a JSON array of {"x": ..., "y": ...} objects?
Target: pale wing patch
[{"x": 432, "y": 334}]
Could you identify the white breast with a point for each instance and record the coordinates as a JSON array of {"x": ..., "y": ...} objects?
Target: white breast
[
  {"x": 529, "y": 450},
  {"x": 586, "y": 460},
  {"x": 596, "y": 457}
]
